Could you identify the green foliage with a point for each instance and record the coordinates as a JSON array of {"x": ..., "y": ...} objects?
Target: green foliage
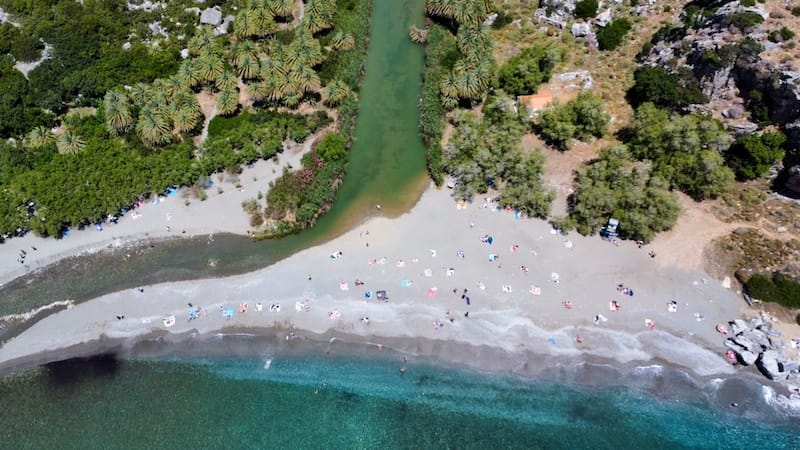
[
  {"x": 796, "y": 11},
  {"x": 614, "y": 185},
  {"x": 775, "y": 288},
  {"x": 18, "y": 111},
  {"x": 786, "y": 33},
  {"x": 332, "y": 147},
  {"x": 655, "y": 85},
  {"x": 744, "y": 20},
  {"x": 20, "y": 43},
  {"x": 610, "y": 36},
  {"x": 752, "y": 155},
  {"x": 748, "y": 3},
  {"x": 502, "y": 20},
  {"x": 440, "y": 44},
  {"x": 523, "y": 74},
  {"x": 581, "y": 118},
  {"x": 685, "y": 150},
  {"x": 484, "y": 154},
  {"x": 585, "y": 9}
]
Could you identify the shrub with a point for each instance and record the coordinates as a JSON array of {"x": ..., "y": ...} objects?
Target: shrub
[
  {"x": 796, "y": 11},
  {"x": 748, "y": 3},
  {"x": 582, "y": 118},
  {"x": 586, "y": 9},
  {"x": 656, "y": 85},
  {"x": 744, "y": 20},
  {"x": 524, "y": 73},
  {"x": 774, "y": 288},
  {"x": 786, "y": 33},
  {"x": 611, "y": 36},
  {"x": 752, "y": 155},
  {"x": 502, "y": 20},
  {"x": 332, "y": 147}
]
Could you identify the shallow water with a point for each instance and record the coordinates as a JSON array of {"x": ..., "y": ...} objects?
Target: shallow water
[
  {"x": 351, "y": 402},
  {"x": 386, "y": 166}
]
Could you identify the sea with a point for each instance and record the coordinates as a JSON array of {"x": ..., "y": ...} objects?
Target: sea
[{"x": 360, "y": 399}]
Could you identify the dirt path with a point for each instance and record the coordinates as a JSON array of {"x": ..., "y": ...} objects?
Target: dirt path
[{"x": 208, "y": 105}]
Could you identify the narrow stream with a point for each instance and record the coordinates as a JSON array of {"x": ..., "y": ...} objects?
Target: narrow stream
[{"x": 386, "y": 167}]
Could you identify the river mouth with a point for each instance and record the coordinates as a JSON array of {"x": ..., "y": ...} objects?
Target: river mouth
[{"x": 386, "y": 167}]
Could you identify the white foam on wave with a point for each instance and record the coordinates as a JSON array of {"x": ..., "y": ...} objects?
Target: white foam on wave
[
  {"x": 653, "y": 369},
  {"x": 267, "y": 363},
  {"x": 28, "y": 315}
]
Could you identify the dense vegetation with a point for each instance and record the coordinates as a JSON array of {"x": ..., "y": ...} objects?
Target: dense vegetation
[
  {"x": 775, "y": 288},
  {"x": 580, "y": 118},
  {"x": 440, "y": 45},
  {"x": 486, "y": 154},
  {"x": 615, "y": 185},
  {"x": 752, "y": 155},
  {"x": 686, "y": 151},
  {"x": 136, "y": 141},
  {"x": 657, "y": 86},
  {"x": 586, "y": 9}
]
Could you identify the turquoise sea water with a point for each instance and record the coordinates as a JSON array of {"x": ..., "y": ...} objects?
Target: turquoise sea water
[{"x": 348, "y": 402}]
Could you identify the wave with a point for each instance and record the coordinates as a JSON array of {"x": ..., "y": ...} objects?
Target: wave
[{"x": 32, "y": 313}]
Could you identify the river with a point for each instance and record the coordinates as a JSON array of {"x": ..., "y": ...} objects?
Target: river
[{"x": 386, "y": 166}]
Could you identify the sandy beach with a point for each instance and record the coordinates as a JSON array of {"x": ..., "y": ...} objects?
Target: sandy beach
[
  {"x": 169, "y": 217},
  {"x": 529, "y": 291}
]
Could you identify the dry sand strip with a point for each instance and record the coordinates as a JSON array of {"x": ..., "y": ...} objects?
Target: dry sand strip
[
  {"x": 169, "y": 217},
  {"x": 425, "y": 260}
]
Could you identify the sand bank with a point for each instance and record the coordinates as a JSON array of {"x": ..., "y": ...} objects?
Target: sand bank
[
  {"x": 168, "y": 218},
  {"x": 515, "y": 304}
]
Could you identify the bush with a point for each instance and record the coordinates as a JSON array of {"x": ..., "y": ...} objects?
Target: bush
[
  {"x": 786, "y": 33},
  {"x": 586, "y": 9},
  {"x": 581, "y": 118},
  {"x": 524, "y": 73},
  {"x": 774, "y": 288},
  {"x": 796, "y": 11},
  {"x": 744, "y": 20},
  {"x": 655, "y": 85},
  {"x": 752, "y": 155},
  {"x": 502, "y": 20},
  {"x": 431, "y": 118},
  {"x": 332, "y": 147},
  {"x": 610, "y": 37},
  {"x": 748, "y": 3}
]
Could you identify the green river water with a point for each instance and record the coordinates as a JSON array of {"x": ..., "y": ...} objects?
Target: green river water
[{"x": 386, "y": 167}]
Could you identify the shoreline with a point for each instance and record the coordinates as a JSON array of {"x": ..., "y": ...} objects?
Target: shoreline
[
  {"x": 420, "y": 259},
  {"x": 162, "y": 218}
]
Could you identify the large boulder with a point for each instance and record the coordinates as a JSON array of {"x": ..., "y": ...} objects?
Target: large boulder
[
  {"x": 769, "y": 365},
  {"x": 759, "y": 338},
  {"x": 211, "y": 16},
  {"x": 580, "y": 29},
  {"x": 738, "y": 325}
]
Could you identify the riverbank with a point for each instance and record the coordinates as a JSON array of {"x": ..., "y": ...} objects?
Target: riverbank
[
  {"x": 168, "y": 217},
  {"x": 528, "y": 292}
]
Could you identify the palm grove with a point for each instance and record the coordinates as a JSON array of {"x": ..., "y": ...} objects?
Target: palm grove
[{"x": 137, "y": 139}]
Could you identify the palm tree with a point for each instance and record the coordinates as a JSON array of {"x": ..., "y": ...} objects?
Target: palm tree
[
  {"x": 140, "y": 92},
  {"x": 188, "y": 73},
  {"x": 263, "y": 21},
  {"x": 470, "y": 12},
  {"x": 448, "y": 87},
  {"x": 226, "y": 81},
  {"x": 281, "y": 8},
  {"x": 468, "y": 84},
  {"x": 210, "y": 68},
  {"x": 449, "y": 102},
  {"x": 39, "y": 137},
  {"x": 473, "y": 41},
  {"x": 343, "y": 41},
  {"x": 227, "y": 101},
  {"x": 173, "y": 85},
  {"x": 153, "y": 127},
  {"x": 418, "y": 35},
  {"x": 69, "y": 143},
  {"x": 243, "y": 25},
  {"x": 335, "y": 92},
  {"x": 186, "y": 100},
  {"x": 241, "y": 49},
  {"x": 259, "y": 91},
  {"x": 248, "y": 67},
  {"x": 444, "y": 8},
  {"x": 116, "y": 108},
  {"x": 203, "y": 40},
  {"x": 292, "y": 101},
  {"x": 185, "y": 119},
  {"x": 306, "y": 79}
]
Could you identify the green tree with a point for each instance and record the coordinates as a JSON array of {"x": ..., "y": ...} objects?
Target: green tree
[
  {"x": 335, "y": 92},
  {"x": 153, "y": 127},
  {"x": 523, "y": 74},
  {"x": 39, "y": 137},
  {"x": 752, "y": 155},
  {"x": 332, "y": 147},
  {"x": 70, "y": 143},
  {"x": 610, "y": 36},
  {"x": 116, "y": 108},
  {"x": 586, "y": 9},
  {"x": 656, "y": 85},
  {"x": 227, "y": 101}
]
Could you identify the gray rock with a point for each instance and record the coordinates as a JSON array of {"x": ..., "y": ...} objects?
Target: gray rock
[
  {"x": 793, "y": 179},
  {"x": 769, "y": 365},
  {"x": 747, "y": 344},
  {"x": 490, "y": 20},
  {"x": 738, "y": 326},
  {"x": 603, "y": 18},
  {"x": 747, "y": 358},
  {"x": 580, "y": 29},
  {"x": 744, "y": 127},
  {"x": 211, "y": 16},
  {"x": 759, "y": 338}
]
